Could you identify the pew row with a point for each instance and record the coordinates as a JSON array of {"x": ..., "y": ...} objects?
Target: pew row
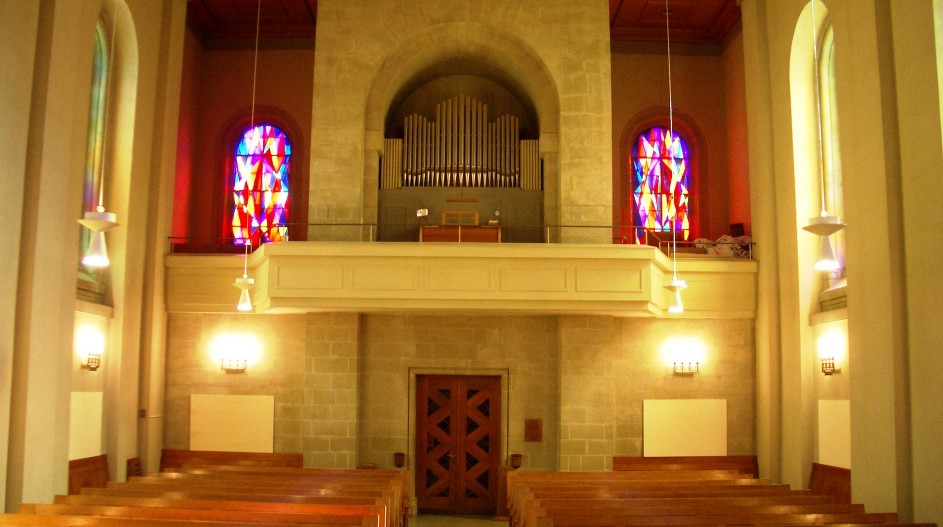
[
  {"x": 170, "y": 458},
  {"x": 672, "y": 497}
]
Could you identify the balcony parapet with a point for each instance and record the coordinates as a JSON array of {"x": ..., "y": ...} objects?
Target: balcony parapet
[{"x": 620, "y": 280}]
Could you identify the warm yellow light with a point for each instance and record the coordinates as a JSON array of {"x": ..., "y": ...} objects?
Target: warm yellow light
[
  {"x": 90, "y": 344},
  {"x": 683, "y": 350},
  {"x": 236, "y": 351},
  {"x": 832, "y": 347}
]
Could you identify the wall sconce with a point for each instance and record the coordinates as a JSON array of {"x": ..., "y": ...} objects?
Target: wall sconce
[
  {"x": 90, "y": 343},
  {"x": 685, "y": 354},
  {"x": 234, "y": 350},
  {"x": 832, "y": 346},
  {"x": 93, "y": 361},
  {"x": 422, "y": 213},
  {"x": 828, "y": 366},
  {"x": 233, "y": 364}
]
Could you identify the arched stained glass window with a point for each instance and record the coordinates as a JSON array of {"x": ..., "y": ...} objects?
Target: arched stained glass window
[
  {"x": 260, "y": 186},
  {"x": 661, "y": 183}
]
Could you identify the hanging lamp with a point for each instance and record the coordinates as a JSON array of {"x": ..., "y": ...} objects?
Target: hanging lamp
[
  {"x": 676, "y": 285},
  {"x": 98, "y": 221},
  {"x": 243, "y": 283},
  {"x": 823, "y": 225}
]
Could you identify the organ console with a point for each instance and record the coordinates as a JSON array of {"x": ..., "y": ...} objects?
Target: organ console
[{"x": 461, "y": 148}]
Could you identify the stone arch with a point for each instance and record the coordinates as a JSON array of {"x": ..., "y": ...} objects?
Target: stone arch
[{"x": 468, "y": 48}]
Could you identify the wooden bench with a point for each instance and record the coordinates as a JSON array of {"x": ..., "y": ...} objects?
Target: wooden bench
[
  {"x": 747, "y": 465},
  {"x": 201, "y": 458},
  {"x": 265, "y": 491},
  {"x": 395, "y": 481},
  {"x": 674, "y": 495},
  {"x": 88, "y": 472},
  {"x": 360, "y": 515}
]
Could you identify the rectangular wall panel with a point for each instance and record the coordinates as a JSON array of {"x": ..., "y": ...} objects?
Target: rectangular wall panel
[
  {"x": 684, "y": 427},
  {"x": 232, "y": 423}
]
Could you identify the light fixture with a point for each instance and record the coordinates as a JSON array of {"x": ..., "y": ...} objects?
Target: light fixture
[
  {"x": 244, "y": 283},
  {"x": 686, "y": 368},
  {"x": 828, "y": 366},
  {"x": 234, "y": 351},
  {"x": 233, "y": 364},
  {"x": 676, "y": 285},
  {"x": 99, "y": 221},
  {"x": 824, "y": 225},
  {"x": 90, "y": 344},
  {"x": 93, "y": 361},
  {"x": 422, "y": 213}
]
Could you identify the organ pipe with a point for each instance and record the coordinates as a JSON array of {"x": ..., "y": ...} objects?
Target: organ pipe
[{"x": 461, "y": 148}]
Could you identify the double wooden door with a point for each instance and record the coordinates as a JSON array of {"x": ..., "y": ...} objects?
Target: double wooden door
[{"x": 458, "y": 443}]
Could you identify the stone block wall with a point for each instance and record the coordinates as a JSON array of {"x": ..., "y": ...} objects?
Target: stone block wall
[
  {"x": 396, "y": 348},
  {"x": 609, "y": 366},
  {"x": 344, "y": 383},
  {"x": 192, "y": 369},
  {"x": 329, "y": 435}
]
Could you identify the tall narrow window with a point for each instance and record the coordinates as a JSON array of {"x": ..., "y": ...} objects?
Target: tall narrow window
[
  {"x": 832, "y": 155},
  {"x": 260, "y": 186},
  {"x": 661, "y": 182}
]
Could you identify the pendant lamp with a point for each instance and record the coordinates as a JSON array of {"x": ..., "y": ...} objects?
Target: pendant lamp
[
  {"x": 99, "y": 221},
  {"x": 244, "y": 282},
  {"x": 824, "y": 225},
  {"x": 676, "y": 285}
]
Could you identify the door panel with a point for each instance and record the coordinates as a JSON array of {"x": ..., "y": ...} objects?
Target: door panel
[{"x": 458, "y": 438}]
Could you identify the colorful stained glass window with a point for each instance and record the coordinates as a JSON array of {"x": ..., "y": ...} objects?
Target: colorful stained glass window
[
  {"x": 260, "y": 186},
  {"x": 661, "y": 183}
]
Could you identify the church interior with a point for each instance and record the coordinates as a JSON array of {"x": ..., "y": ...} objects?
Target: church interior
[{"x": 587, "y": 229}]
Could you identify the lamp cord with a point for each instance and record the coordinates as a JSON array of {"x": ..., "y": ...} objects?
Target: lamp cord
[
  {"x": 818, "y": 110},
  {"x": 671, "y": 134},
  {"x": 255, "y": 62}
]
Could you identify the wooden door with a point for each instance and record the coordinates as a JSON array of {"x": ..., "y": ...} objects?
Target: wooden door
[{"x": 458, "y": 443}]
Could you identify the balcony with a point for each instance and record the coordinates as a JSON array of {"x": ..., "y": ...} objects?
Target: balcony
[{"x": 501, "y": 278}]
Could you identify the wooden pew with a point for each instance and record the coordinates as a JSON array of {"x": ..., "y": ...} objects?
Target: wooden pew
[
  {"x": 201, "y": 458},
  {"x": 88, "y": 472},
  {"x": 397, "y": 481},
  {"x": 665, "y": 498},
  {"x": 359, "y": 515},
  {"x": 25, "y": 520},
  {"x": 747, "y": 465},
  {"x": 258, "y": 494}
]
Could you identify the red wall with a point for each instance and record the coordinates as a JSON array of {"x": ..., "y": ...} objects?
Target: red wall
[{"x": 215, "y": 102}]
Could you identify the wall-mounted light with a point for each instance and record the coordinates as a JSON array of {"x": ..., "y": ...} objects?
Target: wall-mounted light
[
  {"x": 234, "y": 351},
  {"x": 832, "y": 346},
  {"x": 422, "y": 213},
  {"x": 233, "y": 364},
  {"x": 684, "y": 354},
  {"x": 828, "y": 366},
  {"x": 90, "y": 344}
]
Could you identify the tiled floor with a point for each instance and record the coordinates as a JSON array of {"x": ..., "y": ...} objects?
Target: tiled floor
[{"x": 428, "y": 520}]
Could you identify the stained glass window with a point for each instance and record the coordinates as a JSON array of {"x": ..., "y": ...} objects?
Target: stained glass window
[
  {"x": 260, "y": 186},
  {"x": 661, "y": 183}
]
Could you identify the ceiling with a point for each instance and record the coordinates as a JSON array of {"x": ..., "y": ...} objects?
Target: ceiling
[{"x": 692, "y": 21}]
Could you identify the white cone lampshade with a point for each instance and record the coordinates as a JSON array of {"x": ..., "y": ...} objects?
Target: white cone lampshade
[
  {"x": 245, "y": 302},
  {"x": 676, "y": 285},
  {"x": 825, "y": 261},
  {"x": 96, "y": 255},
  {"x": 99, "y": 221}
]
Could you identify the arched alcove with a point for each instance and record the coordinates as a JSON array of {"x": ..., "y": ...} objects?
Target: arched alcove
[
  {"x": 687, "y": 127},
  {"x": 462, "y": 59}
]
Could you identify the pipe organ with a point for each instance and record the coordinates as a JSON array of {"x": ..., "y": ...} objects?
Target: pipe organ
[{"x": 461, "y": 148}]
